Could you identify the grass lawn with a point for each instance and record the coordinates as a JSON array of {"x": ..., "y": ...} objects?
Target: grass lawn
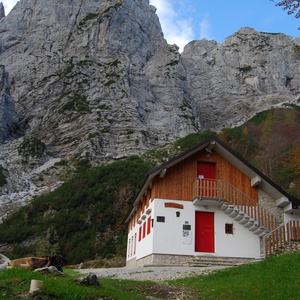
[{"x": 273, "y": 278}]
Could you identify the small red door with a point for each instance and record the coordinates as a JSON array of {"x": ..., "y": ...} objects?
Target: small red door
[
  {"x": 206, "y": 176},
  {"x": 206, "y": 171},
  {"x": 204, "y": 232}
]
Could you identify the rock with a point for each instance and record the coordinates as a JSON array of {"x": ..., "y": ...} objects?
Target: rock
[
  {"x": 88, "y": 280},
  {"x": 249, "y": 72},
  {"x": 3, "y": 262},
  {"x": 97, "y": 80},
  {"x": 51, "y": 269},
  {"x": 8, "y": 117},
  {"x": 2, "y": 11}
]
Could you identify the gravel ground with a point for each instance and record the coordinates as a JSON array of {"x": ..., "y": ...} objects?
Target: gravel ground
[{"x": 151, "y": 273}]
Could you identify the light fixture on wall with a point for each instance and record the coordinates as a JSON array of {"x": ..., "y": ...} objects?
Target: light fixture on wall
[
  {"x": 177, "y": 214},
  {"x": 205, "y": 207}
]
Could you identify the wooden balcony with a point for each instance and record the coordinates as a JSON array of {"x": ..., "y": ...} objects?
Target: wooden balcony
[{"x": 212, "y": 191}]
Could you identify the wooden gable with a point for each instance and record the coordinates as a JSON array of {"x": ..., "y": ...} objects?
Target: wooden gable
[
  {"x": 177, "y": 182},
  {"x": 173, "y": 179}
]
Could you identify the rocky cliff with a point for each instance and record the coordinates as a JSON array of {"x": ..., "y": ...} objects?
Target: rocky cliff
[{"x": 96, "y": 79}]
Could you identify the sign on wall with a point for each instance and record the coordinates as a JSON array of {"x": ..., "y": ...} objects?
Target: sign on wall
[{"x": 186, "y": 234}]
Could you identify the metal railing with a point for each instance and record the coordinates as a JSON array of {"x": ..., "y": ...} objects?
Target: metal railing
[{"x": 223, "y": 190}]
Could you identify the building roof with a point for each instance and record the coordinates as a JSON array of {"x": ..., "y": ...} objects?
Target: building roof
[{"x": 213, "y": 144}]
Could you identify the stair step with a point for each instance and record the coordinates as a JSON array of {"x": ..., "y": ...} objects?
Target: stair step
[
  {"x": 224, "y": 206},
  {"x": 250, "y": 223},
  {"x": 229, "y": 209},
  {"x": 254, "y": 226},
  {"x": 235, "y": 212},
  {"x": 259, "y": 230},
  {"x": 239, "y": 216},
  {"x": 245, "y": 219},
  {"x": 204, "y": 261}
]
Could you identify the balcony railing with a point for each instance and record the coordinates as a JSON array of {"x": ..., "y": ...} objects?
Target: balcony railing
[{"x": 222, "y": 190}]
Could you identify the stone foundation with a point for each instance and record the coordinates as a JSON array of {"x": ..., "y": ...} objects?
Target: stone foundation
[
  {"x": 293, "y": 246},
  {"x": 158, "y": 260}
]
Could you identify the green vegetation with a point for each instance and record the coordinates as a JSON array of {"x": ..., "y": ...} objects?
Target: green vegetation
[
  {"x": 31, "y": 147},
  {"x": 76, "y": 102},
  {"x": 15, "y": 283},
  {"x": 271, "y": 142},
  {"x": 86, "y": 213},
  {"x": 245, "y": 69},
  {"x": 89, "y": 16},
  {"x": 193, "y": 139},
  {"x": 293, "y": 106},
  {"x": 274, "y": 278},
  {"x": 114, "y": 63}
]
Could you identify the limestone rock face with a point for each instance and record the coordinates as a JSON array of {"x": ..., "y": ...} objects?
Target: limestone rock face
[
  {"x": 8, "y": 117},
  {"x": 249, "y": 72},
  {"x": 84, "y": 79},
  {"x": 96, "y": 79}
]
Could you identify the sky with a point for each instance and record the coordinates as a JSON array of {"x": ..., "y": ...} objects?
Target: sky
[{"x": 185, "y": 20}]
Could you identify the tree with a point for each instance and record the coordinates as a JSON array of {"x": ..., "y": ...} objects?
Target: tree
[{"x": 291, "y": 6}]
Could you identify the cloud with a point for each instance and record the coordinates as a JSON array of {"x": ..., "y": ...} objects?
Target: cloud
[
  {"x": 205, "y": 28},
  {"x": 176, "y": 27},
  {"x": 8, "y": 5}
]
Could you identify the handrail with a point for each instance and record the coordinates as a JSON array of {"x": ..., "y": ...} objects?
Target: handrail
[
  {"x": 221, "y": 189},
  {"x": 281, "y": 236}
]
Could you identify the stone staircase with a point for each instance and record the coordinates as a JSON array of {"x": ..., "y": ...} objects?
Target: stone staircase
[
  {"x": 246, "y": 220},
  {"x": 209, "y": 261}
]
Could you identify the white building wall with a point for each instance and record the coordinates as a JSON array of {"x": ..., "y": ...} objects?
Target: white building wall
[
  {"x": 168, "y": 237},
  {"x": 291, "y": 217},
  {"x": 144, "y": 246}
]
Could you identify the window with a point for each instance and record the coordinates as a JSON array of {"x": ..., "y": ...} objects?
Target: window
[
  {"x": 160, "y": 219},
  {"x": 149, "y": 225},
  {"x": 229, "y": 228},
  {"x": 134, "y": 248},
  {"x": 144, "y": 230}
]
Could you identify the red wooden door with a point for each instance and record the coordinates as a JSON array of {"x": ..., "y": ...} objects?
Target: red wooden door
[
  {"x": 206, "y": 176},
  {"x": 204, "y": 232},
  {"x": 206, "y": 171}
]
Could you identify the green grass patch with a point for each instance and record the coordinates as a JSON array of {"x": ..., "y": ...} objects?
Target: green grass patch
[
  {"x": 15, "y": 284},
  {"x": 273, "y": 278}
]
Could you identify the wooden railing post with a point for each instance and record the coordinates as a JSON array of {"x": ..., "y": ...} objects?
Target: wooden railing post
[{"x": 282, "y": 236}]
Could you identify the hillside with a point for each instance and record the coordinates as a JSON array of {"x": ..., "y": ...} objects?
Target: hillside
[
  {"x": 95, "y": 81},
  {"x": 84, "y": 218}
]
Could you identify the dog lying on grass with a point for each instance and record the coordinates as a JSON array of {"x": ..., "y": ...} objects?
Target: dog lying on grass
[{"x": 33, "y": 263}]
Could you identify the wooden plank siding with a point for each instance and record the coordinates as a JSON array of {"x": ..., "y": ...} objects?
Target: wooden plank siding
[{"x": 177, "y": 182}]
